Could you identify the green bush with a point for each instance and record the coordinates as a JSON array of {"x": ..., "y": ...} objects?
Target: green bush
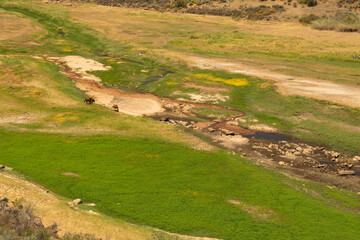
[{"x": 308, "y": 19}]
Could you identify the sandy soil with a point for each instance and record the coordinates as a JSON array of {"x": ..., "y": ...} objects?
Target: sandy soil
[
  {"x": 287, "y": 85},
  {"x": 133, "y": 104}
]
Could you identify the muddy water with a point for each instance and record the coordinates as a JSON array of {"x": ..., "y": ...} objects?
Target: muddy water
[
  {"x": 155, "y": 78},
  {"x": 269, "y": 136}
]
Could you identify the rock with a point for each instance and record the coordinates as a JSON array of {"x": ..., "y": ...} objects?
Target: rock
[
  {"x": 4, "y": 199},
  {"x": 297, "y": 153},
  {"x": 356, "y": 158},
  {"x": 346, "y": 172},
  {"x": 307, "y": 151},
  {"x": 90, "y": 204},
  {"x": 233, "y": 123},
  {"x": 335, "y": 154},
  {"x": 211, "y": 129},
  {"x": 299, "y": 149},
  {"x": 144, "y": 71},
  {"x": 321, "y": 166},
  {"x": 91, "y": 212},
  {"x": 227, "y": 132},
  {"x": 77, "y": 201},
  {"x": 281, "y": 163},
  {"x": 184, "y": 123}
]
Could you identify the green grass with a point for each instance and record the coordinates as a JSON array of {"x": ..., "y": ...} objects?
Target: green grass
[
  {"x": 151, "y": 181},
  {"x": 177, "y": 189}
]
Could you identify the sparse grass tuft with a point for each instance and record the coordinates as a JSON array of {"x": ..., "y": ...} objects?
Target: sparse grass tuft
[{"x": 342, "y": 22}]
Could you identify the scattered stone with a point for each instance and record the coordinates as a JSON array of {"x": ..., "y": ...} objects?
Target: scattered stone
[
  {"x": 307, "y": 151},
  {"x": 233, "y": 123},
  {"x": 4, "y": 199},
  {"x": 144, "y": 71},
  {"x": 321, "y": 166},
  {"x": 335, "y": 155},
  {"x": 91, "y": 212},
  {"x": 227, "y": 132},
  {"x": 356, "y": 158},
  {"x": 3, "y": 167},
  {"x": 77, "y": 201},
  {"x": 299, "y": 149},
  {"x": 70, "y": 174},
  {"x": 346, "y": 172},
  {"x": 90, "y": 204},
  {"x": 281, "y": 163},
  {"x": 211, "y": 129}
]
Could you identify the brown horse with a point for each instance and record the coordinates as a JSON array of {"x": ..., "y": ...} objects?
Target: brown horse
[
  {"x": 115, "y": 107},
  {"x": 89, "y": 100}
]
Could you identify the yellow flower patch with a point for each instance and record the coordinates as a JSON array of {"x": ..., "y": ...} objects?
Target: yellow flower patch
[
  {"x": 172, "y": 83},
  {"x": 232, "y": 81},
  {"x": 61, "y": 117}
]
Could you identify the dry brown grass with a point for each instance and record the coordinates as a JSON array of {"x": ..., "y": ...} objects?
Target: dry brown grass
[
  {"x": 136, "y": 27},
  {"x": 15, "y": 27}
]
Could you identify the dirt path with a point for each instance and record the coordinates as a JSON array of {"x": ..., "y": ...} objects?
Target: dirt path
[{"x": 287, "y": 85}]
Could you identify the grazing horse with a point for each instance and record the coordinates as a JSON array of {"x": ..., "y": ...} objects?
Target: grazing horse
[
  {"x": 89, "y": 100},
  {"x": 115, "y": 107}
]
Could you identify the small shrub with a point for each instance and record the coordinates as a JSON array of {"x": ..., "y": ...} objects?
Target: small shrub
[
  {"x": 308, "y": 19},
  {"x": 19, "y": 222},
  {"x": 309, "y": 3},
  {"x": 342, "y": 22},
  {"x": 181, "y": 3}
]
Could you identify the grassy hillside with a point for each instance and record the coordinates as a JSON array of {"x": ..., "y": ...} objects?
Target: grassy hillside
[
  {"x": 180, "y": 190},
  {"x": 144, "y": 171}
]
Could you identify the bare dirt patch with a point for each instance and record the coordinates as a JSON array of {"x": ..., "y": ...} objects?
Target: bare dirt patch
[
  {"x": 82, "y": 65},
  {"x": 288, "y": 85},
  {"x": 17, "y": 119},
  {"x": 77, "y": 67},
  {"x": 254, "y": 211},
  {"x": 70, "y": 174}
]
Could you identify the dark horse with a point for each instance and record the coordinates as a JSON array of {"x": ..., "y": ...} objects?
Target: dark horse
[{"x": 89, "y": 100}]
